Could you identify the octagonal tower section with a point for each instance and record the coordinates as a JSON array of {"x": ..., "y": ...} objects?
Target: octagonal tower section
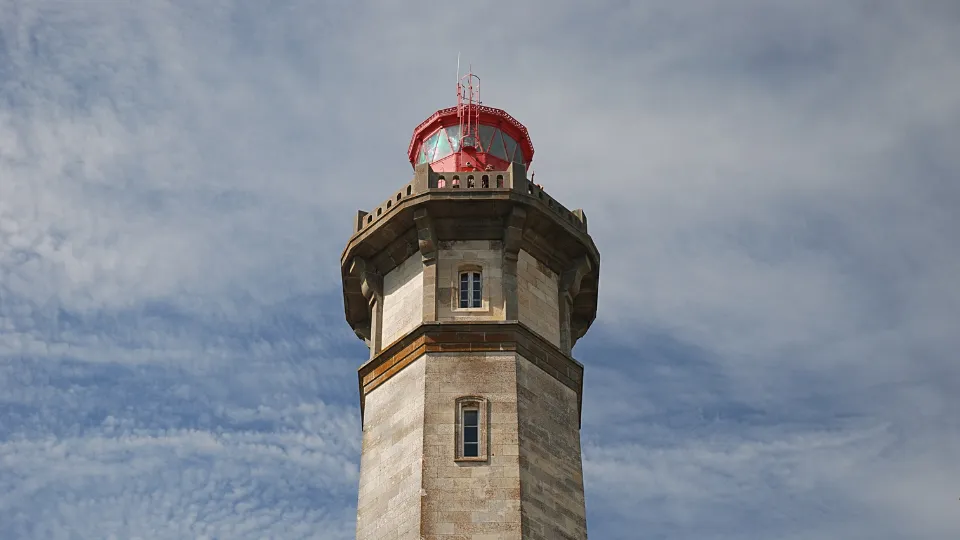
[{"x": 470, "y": 289}]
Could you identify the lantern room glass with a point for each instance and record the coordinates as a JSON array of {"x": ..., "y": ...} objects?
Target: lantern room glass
[{"x": 446, "y": 141}]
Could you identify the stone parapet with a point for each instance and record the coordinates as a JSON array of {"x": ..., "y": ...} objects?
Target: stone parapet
[{"x": 519, "y": 214}]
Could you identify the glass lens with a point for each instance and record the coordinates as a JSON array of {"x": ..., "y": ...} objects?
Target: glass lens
[
  {"x": 443, "y": 146},
  {"x": 429, "y": 146},
  {"x": 518, "y": 155},
  {"x": 486, "y": 134},
  {"x": 510, "y": 144},
  {"x": 454, "y": 133},
  {"x": 496, "y": 146}
]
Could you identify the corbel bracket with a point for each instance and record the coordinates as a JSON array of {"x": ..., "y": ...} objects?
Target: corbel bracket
[
  {"x": 513, "y": 232},
  {"x": 570, "y": 281},
  {"x": 371, "y": 283},
  {"x": 426, "y": 235}
]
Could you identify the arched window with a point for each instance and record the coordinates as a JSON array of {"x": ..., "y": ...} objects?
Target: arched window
[
  {"x": 471, "y": 429},
  {"x": 471, "y": 289}
]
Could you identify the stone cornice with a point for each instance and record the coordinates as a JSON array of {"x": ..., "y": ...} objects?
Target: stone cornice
[
  {"x": 519, "y": 214},
  {"x": 470, "y": 337}
]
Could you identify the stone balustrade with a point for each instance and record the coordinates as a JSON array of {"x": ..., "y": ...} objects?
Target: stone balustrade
[{"x": 469, "y": 184}]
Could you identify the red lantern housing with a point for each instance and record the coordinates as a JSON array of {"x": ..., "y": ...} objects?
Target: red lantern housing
[{"x": 470, "y": 136}]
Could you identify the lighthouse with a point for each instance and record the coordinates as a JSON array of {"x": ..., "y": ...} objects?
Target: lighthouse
[{"x": 470, "y": 285}]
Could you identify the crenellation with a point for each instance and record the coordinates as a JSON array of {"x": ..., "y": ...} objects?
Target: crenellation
[{"x": 458, "y": 184}]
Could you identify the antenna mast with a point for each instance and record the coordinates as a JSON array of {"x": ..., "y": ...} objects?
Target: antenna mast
[{"x": 468, "y": 111}]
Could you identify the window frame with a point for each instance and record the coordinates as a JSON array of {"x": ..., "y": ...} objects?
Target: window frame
[
  {"x": 481, "y": 406},
  {"x": 475, "y": 289}
]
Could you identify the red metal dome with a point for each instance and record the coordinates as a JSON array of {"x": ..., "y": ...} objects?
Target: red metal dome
[{"x": 470, "y": 136}]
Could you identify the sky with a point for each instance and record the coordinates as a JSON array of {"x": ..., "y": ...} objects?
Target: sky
[{"x": 773, "y": 187}]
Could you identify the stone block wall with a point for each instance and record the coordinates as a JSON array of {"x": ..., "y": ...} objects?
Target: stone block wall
[
  {"x": 530, "y": 485},
  {"x": 391, "y": 471},
  {"x": 551, "y": 474},
  {"x": 538, "y": 297},
  {"x": 402, "y": 299},
  {"x": 469, "y": 254},
  {"x": 471, "y": 499}
]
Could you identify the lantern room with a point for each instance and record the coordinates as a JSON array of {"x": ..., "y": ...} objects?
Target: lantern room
[{"x": 470, "y": 136}]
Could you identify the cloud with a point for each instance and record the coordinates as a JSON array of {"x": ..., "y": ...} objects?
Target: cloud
[
  {"x": 771, "y": 185},
  {"x": 177, "y": 484},
  {"x": 148, "y": 430}
]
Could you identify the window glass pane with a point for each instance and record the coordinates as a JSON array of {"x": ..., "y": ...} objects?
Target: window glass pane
[
  {"x": 471, "y": 450},
  {"x": 429, "y": 146},
  {"x": 486, "y": 134},
  {"x": 471, "y": 418},
  {"x": 476, "y": 290},
  {"x": 470, "y": 434},
  {"x": 454, "y": 133},
  {"x": 518, "y": 155},
  {"x": 510, "y": 144},
  {"x": 443, "y": 146},
  {"x": 496, "y": 146}
]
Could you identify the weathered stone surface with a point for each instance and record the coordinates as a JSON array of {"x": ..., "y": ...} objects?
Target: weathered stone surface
[
  {"x": 534, "y": 285},
  {"x": 475, "y": 497},
  {"x": 469, "y": 337},
  {"x": 538, "y": 298},
  {"x": 509, "y": 359},
  {"x": 402, "y": 299},
  {"x": 531, "y": 485},
  {"x": 551, "y": 476},
  {"x": 466, "y": 255},
  {"x": 391, "y": 470},
  {"x": 421, "y": 216}
]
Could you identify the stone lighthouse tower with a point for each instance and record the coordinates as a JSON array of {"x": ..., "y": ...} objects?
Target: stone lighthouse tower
[{"x": 471, "y": 285}]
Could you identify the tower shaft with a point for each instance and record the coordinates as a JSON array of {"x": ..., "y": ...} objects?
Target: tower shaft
[{"x": 471, "y": 290}]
